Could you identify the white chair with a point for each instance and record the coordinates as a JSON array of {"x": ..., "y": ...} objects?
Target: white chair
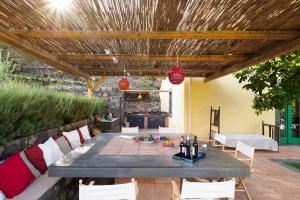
[
  {"x": 219, "y": 141},
  {"x": 248, "y": 152},
  {"x": 130, "y": 129},
  {"x": 166, "y": 130},
  {"x": 128, "y": 191},
  {"x": 204, "y": 190}
]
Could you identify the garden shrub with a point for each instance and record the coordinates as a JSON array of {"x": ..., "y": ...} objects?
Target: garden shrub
[{"x": 25, "y": 110}]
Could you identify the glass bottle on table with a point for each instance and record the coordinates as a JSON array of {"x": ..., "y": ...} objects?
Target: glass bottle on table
[
  {"x": 182, "y": 147},
  {"x": 195, "y": 148},
  {"x": 188, "y": 148}
]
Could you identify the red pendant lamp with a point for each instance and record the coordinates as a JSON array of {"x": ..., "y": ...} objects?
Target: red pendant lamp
[
  {"x": 176, "y": 75},
  {"x": 124, "y": 83}
]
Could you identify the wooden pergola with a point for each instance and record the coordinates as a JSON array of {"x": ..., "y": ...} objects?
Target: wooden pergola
[{"x": 97, "y": 38}]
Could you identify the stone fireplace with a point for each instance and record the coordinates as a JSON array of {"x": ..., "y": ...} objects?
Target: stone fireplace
[{"x": 142, "y": 109}]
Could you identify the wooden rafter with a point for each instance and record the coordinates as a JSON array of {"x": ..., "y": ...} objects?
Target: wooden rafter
[
  {"x": 147, "y": 58},
  {"x": 231, "y": 35},
  {"x": 270, "y": 52},
  {"x": 41, "y": 54}
]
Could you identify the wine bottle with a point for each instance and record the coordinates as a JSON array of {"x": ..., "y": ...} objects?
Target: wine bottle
[
  {"x": 182, "y": 147},
  {"x": 188, "y": 148},
  {"x": 195, "y": 148}
]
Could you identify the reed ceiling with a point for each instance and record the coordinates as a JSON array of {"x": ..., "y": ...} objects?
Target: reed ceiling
[{"x": 98, "y": 37}]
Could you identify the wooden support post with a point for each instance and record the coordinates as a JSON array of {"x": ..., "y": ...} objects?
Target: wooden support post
[
  {"x": 98, "y": 82},
  {"x": 93, "y": 85},
  {"x": 90, "y": 88},
  {"x": 90, "y": 93}
]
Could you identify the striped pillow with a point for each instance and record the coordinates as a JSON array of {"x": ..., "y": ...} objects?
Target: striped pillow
[{"x": 33, "y": 170}]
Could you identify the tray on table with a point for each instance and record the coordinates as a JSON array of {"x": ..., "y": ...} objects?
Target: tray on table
[{"x": 186, "y": 160}]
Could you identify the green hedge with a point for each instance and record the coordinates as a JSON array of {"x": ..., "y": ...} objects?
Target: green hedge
[{"x": 25, "y": 110}]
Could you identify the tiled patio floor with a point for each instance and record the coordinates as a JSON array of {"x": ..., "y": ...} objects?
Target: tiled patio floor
[{"x": 270, "y": 181}]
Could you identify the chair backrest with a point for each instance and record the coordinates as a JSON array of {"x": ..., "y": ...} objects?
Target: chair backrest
[
  {"x": 108, "y": 192},
  {"x": 219, "y": 138},
  {"x": 166, "y": 130},
  {"x": 130, "y": 129},
  {"x": 214, "y": 124},
  {"x": 245, "y": 150},
  {"x": 198, "y": 190}
]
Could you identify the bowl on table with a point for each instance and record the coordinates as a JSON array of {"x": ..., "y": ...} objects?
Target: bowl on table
[
  {"x": 168, "y": 143},
  {"x": 146, "y": 139}
]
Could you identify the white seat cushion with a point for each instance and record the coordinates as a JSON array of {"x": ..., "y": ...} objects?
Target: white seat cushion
[
  {"x": 51, "y": 151},
  {"x": 73, "y": 138},
  {"x": 85, "y": 132},
  {"x": 38, "y": 187}
]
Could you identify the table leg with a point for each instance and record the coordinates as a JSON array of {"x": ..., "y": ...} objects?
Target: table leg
[{"x": 180, "y": 184}]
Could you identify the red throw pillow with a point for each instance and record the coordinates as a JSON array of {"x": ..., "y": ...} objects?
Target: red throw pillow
[
  {"x": 82, "y": 140},
  {"x": 15, "y": 176},
  {"x": 35, "y": 156}
]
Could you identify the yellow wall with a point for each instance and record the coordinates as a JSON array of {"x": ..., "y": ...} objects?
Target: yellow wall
[
  {"x": 237, "y": 116},
  {"x": 177, "y": 121}
]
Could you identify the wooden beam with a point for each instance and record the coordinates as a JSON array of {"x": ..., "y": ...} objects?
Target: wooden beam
[
  {"x": 144, "y": 90},
  {"x": 144, "y": 69},
  {"x": 147, "y": 58},
  {"x": 41, "y": 54},
  {"x": 230, "y": 35},
  {"x": 147, "y": 74},
  {"x": 269, "y": 53},
  {"x": 98, "y": 82}
]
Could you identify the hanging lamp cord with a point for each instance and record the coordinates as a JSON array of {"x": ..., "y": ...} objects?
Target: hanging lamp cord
[
  {"x": 124, "y": 70},
  {"x": 176, "y": 54}
]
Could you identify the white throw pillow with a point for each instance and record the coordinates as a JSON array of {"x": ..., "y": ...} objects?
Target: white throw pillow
[
  {"x": 85, "y": 132},
  {"x": 51, "y": 151},
  {"x": 2, "y": 196},
  {"x": 73, "y": 138}
]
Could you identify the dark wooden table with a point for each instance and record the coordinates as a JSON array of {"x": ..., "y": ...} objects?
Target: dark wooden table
[{"x": 87, "y": 162}]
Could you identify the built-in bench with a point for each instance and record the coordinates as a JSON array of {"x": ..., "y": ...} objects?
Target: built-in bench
[{"x": 43, "y": 187}]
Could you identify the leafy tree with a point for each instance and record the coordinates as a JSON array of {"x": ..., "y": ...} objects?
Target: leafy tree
[{"x": 274, "y": 83}]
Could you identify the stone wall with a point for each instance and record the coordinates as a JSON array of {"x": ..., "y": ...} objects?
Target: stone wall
[{"x": 54, "y": 79}]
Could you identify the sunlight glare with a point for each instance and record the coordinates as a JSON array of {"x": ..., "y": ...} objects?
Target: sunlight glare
[{"x": 60, "y": 4}]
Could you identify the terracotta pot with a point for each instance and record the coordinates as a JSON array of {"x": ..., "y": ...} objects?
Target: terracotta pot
[
  {"x": 176, "y": 75},
  {"x": 123, "y": 84}
]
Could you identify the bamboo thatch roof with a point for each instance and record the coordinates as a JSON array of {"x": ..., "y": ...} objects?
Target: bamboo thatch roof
[{"x": 211, "y": 38}]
